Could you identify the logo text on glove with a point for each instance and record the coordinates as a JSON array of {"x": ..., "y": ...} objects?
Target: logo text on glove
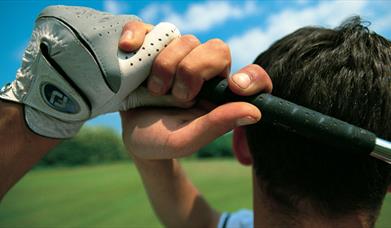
[{"x": 58, "y": 99}]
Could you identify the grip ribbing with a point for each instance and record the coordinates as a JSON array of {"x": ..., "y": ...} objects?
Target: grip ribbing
[{"x": 295, "y": 118}]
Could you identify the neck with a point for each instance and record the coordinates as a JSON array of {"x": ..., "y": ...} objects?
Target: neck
[{"x": 268, "y": 216}]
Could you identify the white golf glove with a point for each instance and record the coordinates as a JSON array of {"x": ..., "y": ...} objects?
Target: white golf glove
[{"x": 72, "y": 69}]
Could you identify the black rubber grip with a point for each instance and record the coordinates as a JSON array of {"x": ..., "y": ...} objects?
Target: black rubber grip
[{"x": 296, "y": 118}]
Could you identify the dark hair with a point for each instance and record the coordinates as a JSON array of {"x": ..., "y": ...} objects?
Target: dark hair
[{"x": 345, "y": 73}]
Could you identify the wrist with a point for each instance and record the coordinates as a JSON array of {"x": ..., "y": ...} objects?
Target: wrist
[
  {"x": 21, "y": 148},
  {"x": 13, "y": 122},
  {"x": 12, "y": 119},
  {"x": 153, "y": 166},
  {"x": 147, "y": 161}
]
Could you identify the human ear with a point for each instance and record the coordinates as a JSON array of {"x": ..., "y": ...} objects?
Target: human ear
[{"x": 240, "y": 146}]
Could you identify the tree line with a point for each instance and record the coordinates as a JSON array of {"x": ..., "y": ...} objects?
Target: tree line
[{"x": 94, "y": 145}]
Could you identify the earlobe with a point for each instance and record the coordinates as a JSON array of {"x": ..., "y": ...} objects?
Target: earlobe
[{"x": 240, "y": 146}]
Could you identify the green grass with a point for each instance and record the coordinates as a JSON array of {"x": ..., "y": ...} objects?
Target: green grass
[{"x": 112, "y": 195}]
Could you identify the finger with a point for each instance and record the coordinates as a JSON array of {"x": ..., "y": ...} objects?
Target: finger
[
  {"x": 166, "y": 63},
  {"x": 214, "y": 124},
  {"x": 249, "y": 80},
  {"x": 133, "y": 34},
  {"x": 204, "y": 62},
  {"x": 141, "y": 98}
]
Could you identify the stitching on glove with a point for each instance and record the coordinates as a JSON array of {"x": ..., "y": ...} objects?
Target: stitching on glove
[
  {"x": 45, "y": 53},
  {"x": 90, "y": 49}
]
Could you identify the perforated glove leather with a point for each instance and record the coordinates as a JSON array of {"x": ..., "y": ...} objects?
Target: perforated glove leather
[{"x": 72, "y": 69}]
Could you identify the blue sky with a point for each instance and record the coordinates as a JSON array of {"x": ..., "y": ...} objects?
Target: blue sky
[{"x": 247, "y": 26}]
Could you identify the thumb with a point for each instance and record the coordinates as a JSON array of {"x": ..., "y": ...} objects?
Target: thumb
[
  {"x": 250, "y": 80},
  {"x": 219, "y": 121},
  {"x": 133, "y": 34}
]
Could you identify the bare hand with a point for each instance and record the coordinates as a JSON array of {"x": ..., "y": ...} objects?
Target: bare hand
[{"x": 180, "y": 70}]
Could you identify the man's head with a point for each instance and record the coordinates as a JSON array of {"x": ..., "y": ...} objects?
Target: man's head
[{"x": 345, "y": 73}]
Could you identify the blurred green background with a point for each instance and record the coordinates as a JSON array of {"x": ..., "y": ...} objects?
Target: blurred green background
[
  {"x": 94, "y": 145},
  {"x": 98, "y": 186}
]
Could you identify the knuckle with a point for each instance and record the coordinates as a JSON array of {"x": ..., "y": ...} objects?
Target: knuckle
[
  {"x": 164, "y": 67},
  {"x": 190, "y": 40},
  {"x": 218, "y": 44},
  {"x": 214, "y": 119},
  {"x": 132, "y": 25},
  {"x": 186, "y": 69},
  {"x": 129, "y": 25},
  {"x": 223, "y": 50}
]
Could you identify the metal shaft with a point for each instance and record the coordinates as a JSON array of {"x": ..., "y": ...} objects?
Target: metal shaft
[{"x": 382, "y": 150}]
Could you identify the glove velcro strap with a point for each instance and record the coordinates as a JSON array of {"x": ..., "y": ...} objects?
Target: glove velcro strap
[
  {"x": 48, "y": 126},
  {"x": 50, "y": 93}
]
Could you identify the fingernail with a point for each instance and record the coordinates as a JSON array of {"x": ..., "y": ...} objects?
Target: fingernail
[
  {"x": 242, "y": 80},
  {"x": 181, "y": 91},
  {"x": 128, "y": 35},
  {"x": 156, "y": 85},
  {"x": 246, "y": 121}
]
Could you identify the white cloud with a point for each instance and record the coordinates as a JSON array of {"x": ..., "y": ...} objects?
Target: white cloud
[
  {"x": 115, "y": 7},
  {"x": 203, "y": 16},
  {"x": 382, "y": 24},
  {"x": 302, "y": 2},
  {"x": 247, "y": 46},
  {"x": 152, "y": 12},
  {"x": 199, "y": 16}
]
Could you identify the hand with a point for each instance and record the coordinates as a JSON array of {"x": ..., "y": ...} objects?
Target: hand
[
  {"x": 156, "y": 133},
  {"x": 152, "y": 133},
  {"x": 72, "y": 69}
]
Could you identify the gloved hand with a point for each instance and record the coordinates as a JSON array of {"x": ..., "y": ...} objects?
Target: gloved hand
[{"x": 73, "y": 71}]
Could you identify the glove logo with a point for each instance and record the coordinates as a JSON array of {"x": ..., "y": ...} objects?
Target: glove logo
[{"x": 58, "y": 100}]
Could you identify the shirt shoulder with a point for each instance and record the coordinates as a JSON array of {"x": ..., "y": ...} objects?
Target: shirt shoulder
[{"x": 242, "y": 218}]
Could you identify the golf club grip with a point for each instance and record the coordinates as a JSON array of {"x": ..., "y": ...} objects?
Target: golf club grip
[{"x": 295, "y": 118}]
